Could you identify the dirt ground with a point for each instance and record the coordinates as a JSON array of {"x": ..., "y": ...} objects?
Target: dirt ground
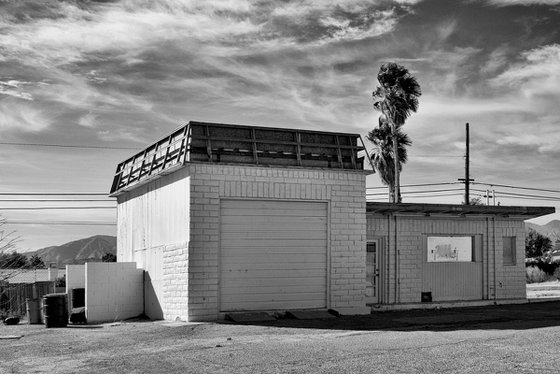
[{"x": 497, "y": 339}]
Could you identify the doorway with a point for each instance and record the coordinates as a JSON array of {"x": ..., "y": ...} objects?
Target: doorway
[{"x": 372, "y": 272}]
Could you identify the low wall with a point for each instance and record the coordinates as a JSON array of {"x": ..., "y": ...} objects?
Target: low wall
[
  {"x": 114, "y": 291},
  {"x": 75, "y": 278}
]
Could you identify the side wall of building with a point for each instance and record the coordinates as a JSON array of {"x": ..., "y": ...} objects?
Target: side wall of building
[
  {"x": 343, "y": 190},
  {"x": 153, "y": 231},
  {"x": 405, "y": 272}
]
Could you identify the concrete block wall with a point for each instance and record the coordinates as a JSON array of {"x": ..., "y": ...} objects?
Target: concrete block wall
[
  {"x": 402, "y": 266},
  {"x": 175, "y": 282},
  {"x": 510, "y": 279},
  {"x": 343, "y": 190},
  {"x": 114, "y": 291}
]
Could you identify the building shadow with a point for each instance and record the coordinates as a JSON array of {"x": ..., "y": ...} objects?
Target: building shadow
[{"x": 496, "y": 317}]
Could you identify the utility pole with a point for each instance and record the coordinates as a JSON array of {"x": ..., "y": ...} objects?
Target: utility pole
[{"x": 467, "y": 179}]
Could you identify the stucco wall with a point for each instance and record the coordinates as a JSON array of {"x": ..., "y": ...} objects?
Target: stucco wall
[
  {"x": 114, "y": 291},
  {"x": 75, "y": 278}
]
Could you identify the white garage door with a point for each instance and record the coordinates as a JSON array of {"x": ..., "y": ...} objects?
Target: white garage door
[{"x": 273, "y": 255}]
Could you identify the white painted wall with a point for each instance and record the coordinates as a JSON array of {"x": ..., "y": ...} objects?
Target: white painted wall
[
  {"x": 114, "y": 291},
  {"x": 75, "y": 278},
  {"x": 151, "y": 260},
  {"x": 154, "y": 214}
]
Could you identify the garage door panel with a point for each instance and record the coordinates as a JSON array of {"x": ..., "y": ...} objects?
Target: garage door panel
[
  {"x": 273, "y": 255},
  {"x": 273, "y": 235},
  {"x": 265, "y": 244},
  {"x": 310, "y": 280},
  {"x": 252, "y": 261},
  {"x": 277, "y": 272},
  {"x": 264, "y": 220}
]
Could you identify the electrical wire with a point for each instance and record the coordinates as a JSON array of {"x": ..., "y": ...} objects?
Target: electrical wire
[
  {"x": 61, "y": 223},
  {"x": 513, "y": 194},
  {"x": 57, "y": 208},
  {"x": 517, "y": 187},
  {"x": 416, "y": 185},
  {"x": 67, "y": 146},
  {"x": 414, "y": 192},
  {"x": 54, "y": 194},
  {"x": 54, "y": 200}
]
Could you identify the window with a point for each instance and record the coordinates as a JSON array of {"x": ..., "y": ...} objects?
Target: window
[
  {"x": 450, "y": 249},
  {"x": 509, "y": 250}
]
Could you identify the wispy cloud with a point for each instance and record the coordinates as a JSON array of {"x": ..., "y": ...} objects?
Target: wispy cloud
[
  {"x": 21, "y": 116},
  {"x": 14, "y": 88},
  {"x": 522, "y": 2}
]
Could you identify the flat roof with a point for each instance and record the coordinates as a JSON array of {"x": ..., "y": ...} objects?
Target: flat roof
[
  {"x": 455, "y": 209},
  {"x": 240, "y": 144}
]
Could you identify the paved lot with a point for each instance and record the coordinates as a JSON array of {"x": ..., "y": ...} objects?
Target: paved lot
[{"x": 498, "y": 339}]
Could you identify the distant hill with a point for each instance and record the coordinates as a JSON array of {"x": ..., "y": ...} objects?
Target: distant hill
[
  {"x": 551, "y": 229},
  {"x": 78, "y": 251}
]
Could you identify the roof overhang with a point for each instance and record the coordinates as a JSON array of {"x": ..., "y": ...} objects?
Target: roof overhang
[{"x": 524, "y": 212}]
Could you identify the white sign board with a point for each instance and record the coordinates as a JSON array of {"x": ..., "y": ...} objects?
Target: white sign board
[{"x": 449, "y": 248}]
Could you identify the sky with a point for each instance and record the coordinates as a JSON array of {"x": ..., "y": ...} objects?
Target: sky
[{"x": 116, "y": 76}]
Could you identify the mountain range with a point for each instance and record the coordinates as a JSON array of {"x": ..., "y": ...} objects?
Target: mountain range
[
  {"x": 551, "y": 229},
  {"x": 93, "y": 248},
  {"x": 78, "y": 251}
]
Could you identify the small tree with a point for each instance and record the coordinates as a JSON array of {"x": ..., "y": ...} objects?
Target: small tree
[
  {"x": 13, "y": 260},
  {"x": 536, "y": 245},
  {"x": 109, "y": 257},
  {"x": 36, "y": 262}
]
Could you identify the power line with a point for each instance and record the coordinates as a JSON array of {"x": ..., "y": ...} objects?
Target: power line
[
  {"x": 416, "y": 185},
  {"x": 519, "y": 188},
  {"x": 67, "y": 146},
  {"x": 504, "y": 193},
  {"x": 415, "y": 192},
  {"x": 61, "y": 223},
  {"x": 58, "y": 207},
  {"x": 436, "y": 156},
  {"x": 56, "y": 200},
  {"x": 54, "y": 194}
]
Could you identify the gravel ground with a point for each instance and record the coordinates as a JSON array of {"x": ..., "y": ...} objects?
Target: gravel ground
[{"x": 498, "y": 339}]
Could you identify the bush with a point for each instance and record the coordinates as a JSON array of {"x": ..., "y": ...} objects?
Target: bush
[
  {"x": 548, "y": 267},
  {"x": 536, "y": 275},
  {"x": 557, "y": 273}
]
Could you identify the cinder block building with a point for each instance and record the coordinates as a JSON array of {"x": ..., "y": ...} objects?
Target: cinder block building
[{"x": 226, "y": 218}]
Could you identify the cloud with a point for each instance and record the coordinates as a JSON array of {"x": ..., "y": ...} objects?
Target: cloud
[
  {"x": 17, "y": 115},
  {"x": 534, "y": 82},
  {"x": 522, "y": 2},
  {"x": 539, "y": 66},
  {"x": 543, "y": 144},
  {"x": 14, "y": 88}
]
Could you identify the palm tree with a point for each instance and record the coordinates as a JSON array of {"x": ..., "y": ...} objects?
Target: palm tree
[
  {"x": 382, "y": 155},
  {"x": 396, "y": 98}
]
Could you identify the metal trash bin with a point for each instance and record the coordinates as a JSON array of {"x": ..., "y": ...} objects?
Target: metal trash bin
[
  {"x": 33, "y": 308},
  {"x": 55, "y": 310}
]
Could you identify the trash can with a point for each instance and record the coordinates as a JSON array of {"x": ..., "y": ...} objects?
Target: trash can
[
  {"x": 33, "y": 307},
  {"x": 55, "y": 310}
]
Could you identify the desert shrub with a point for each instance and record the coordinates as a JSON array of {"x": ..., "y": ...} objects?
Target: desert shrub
[
  {"x": 536, "y": 275},
  {"x": 548, "y": 267},
  {"x": 557, "y": 273},
  {"x": 60, "y": 281}
]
